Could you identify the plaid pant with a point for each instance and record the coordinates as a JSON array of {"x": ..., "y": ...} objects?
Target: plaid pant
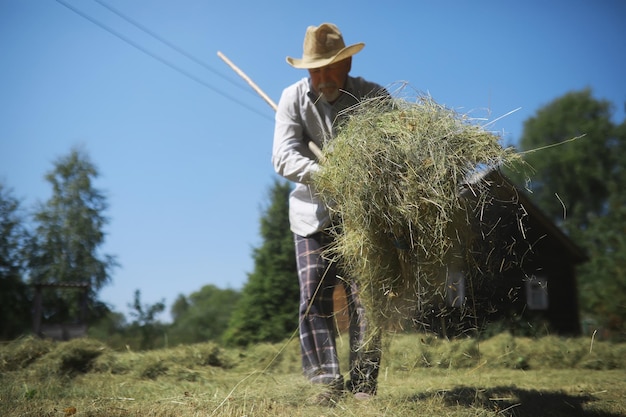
[{"x": 318, "y": 277}]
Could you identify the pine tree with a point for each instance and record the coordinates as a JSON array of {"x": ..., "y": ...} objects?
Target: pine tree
[{"x": 268, "y": 308}]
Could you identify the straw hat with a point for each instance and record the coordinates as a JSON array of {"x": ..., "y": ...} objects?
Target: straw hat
[{"x": 323, "y": 45}]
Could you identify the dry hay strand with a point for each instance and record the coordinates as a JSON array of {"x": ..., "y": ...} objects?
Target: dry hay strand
[{"x": 392, "y": 178}]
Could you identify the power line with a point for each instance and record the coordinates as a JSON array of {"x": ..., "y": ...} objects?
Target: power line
[
  {"x": 160, "y": 59},
  {"x": 171, "y": 45}
]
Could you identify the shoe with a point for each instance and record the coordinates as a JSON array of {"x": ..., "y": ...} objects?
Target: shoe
[{"x": 362, "y": 396}]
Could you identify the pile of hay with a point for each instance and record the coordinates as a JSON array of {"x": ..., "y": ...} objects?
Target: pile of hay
[{"x": 392, "y": 177}]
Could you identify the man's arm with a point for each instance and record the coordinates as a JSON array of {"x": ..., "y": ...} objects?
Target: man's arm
[{"x": 291, "y": 155}]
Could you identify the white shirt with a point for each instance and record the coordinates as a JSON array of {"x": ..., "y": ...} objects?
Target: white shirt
[{"x": 301, "y": 117}]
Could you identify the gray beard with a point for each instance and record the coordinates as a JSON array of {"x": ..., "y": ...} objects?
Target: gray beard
[{"x": 332, "y": 98}]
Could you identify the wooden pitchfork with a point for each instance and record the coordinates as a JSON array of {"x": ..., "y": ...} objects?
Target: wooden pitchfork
[{"x": 312, "y": 146}]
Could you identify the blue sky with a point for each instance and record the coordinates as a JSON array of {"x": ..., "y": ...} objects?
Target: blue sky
[{"x": 184, "y": 154}]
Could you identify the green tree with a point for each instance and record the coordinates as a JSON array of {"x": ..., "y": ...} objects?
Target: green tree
[
  {"x": 602, "y": 284},
  {"x": 179, "y": 307},
  {"x": 69, "y": 232},
  {"x": 14, "y": 298},
  {"x": 572, "y": 178},
  {"x": 580, "y": 183},
  {"x": 268, "y": 309},
  {"x": 202, "y": 316},
  {"x": 111, "y": 329},
  {"x": 603, "y": 278},
  {"x": 145, "y": 322}
]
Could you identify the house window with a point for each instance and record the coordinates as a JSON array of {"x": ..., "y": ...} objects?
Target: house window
[
  {"x": 537, "y": 293},
  {"x": 455, "y": 289}
]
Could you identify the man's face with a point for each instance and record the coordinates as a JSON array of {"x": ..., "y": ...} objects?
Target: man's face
[{"x": 328, "y": 80}]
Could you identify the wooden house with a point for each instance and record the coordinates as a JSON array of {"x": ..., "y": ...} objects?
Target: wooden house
[{"x": 522, "y": 271}]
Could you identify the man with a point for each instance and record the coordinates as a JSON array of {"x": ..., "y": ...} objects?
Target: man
[{"x": 308, "y": 111}]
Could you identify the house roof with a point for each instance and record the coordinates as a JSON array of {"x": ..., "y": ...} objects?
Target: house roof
[{"x": 577, "y": 254}]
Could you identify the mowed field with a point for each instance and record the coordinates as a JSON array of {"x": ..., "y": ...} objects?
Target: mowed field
[{"x": 420, "y": 376}]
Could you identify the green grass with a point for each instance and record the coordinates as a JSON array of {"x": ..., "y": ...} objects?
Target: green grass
[{"x": 420, "y": 376}]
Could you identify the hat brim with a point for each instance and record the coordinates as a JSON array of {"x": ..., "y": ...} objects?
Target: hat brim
[{"x": 310, "y": 63}]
